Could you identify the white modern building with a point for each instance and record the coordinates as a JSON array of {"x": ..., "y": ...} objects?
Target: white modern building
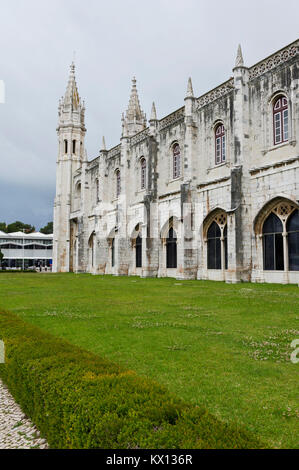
[{"x": 26, "y": 250}]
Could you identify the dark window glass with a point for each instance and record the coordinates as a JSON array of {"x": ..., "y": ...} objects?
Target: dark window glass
[
  {"x": 74, "y": 146},
  {"x": 225, "y": 247},
  {"x": 273, "y": 244},
  {"x": 138, "y": 252},
  {"x": 214, "y": 246},
  {"x": 171, "y": 249},
  {"x": 118, "y": 187},
  {"x": 65, "y": 146},
  {"x": 112, "y": 253},
  {"x": 143, "y": 173},
  {"x": 293, "y": 241}
]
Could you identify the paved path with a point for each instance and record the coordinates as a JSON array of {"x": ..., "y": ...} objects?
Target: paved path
[{"x": 16, "y": 430}]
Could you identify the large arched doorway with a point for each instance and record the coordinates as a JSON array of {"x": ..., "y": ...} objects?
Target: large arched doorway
[
  {"x": 273, "y": 244},
  {"x": 171, "y": 249},
  {"x": 293, "y": 240},
  {"x": 138, "y": 252}
]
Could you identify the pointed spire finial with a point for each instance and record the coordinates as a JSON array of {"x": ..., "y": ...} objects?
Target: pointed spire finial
[
  {"x": 239, "y": 59},
  {"x": 190, "y": 89},
  {"x": 153, "y": 113},
  {"x": 135, "y": 119},
  {"x": 103, "y": 144}
]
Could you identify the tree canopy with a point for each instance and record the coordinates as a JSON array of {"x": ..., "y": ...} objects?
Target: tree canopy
[
  {"x": 48, "y": 229},
  {"x": 17, "y": 226}
]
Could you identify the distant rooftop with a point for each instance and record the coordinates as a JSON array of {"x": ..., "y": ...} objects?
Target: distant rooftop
[{"x": 25, "y": 235}]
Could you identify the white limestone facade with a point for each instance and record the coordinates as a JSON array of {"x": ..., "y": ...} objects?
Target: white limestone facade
[{"x": 210, "y": 191}]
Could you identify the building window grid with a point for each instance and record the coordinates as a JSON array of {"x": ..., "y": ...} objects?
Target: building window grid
[
  {"x": 143, "y": 173},
  {"x": 273, "y": 247},
  {"x": 280, "y": 120},
  {"x": 176, "y": 161},
  {"x": 118, "y": 183},
  {"x": 220, "y": 147}
]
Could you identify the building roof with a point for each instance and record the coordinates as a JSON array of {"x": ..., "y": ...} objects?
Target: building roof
[{"x": 26, "y": 235}]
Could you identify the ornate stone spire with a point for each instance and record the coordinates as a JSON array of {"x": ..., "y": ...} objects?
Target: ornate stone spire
[
  {"x": 190, "y": 93},
  {"x": 71, "y": 97},
  {"x": 135, "y": 119},
  {"x": 239, "y": 59},
  {"x": 153, "y": 113}
]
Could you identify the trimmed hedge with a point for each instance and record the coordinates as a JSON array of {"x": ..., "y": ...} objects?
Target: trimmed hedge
[{"x": 80, "y": 400}]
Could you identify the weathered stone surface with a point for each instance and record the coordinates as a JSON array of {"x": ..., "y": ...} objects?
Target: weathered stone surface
[{"x": 89, "y": 213}]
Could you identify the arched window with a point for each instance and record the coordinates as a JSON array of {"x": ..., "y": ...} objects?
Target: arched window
[
  {"x": 220, "y": 150},
  {"x": 65, "y": 146},
  {"x": 217, "y": 243},
  {"x": 143, "y": 173},
  {"x": 293, "y": 240},
  {"x": 273, "y": 243},
  {"x": 74, "y": 146},
  {"x": 97, "y": 190},
  {"x": 280, "y": 120},
  {"x": 118, "y": 186},
  {"x": 138, "y": 247},
  {"x": 77, "y": 200},
  {"x": 214, "y": 246},
  {"x": 176, "y": 161},
  {"x": 91, "y": 245},
  {"x": 171, "y": 249}
]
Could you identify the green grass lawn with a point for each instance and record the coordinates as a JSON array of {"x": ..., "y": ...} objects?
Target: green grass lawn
[{"x": 226, "y": 347}]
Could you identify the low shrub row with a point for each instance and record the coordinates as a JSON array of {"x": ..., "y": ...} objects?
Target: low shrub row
[{"x": 80, "y": 400}]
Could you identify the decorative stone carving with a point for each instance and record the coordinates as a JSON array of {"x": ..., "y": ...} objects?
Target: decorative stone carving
[{"x": 273, "y": 61}]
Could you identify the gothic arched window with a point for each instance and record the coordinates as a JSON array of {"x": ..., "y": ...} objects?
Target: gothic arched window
[
  {"x": 65, "y": 146},
  {"x": 176, "y": 164},
  {"x": 280, "y": 120},
  {"x": 143, "y": 173},
  {"x": 74, "y": 146},
  {"x": 293, "y": 240},
  {"x": 138, "y": 247},
  {"x": 171, "y": 249},
  {"x": 97, "y": 190},
  {"x": 118, "y": 186},
  {"x": 273, "y": 243},
  {"x": 220, "y": 150},
  {"x": 214, "y": 246},
  {"x": 217, "y": 243}
]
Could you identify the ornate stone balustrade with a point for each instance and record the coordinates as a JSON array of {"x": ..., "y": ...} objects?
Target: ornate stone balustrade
[
  {"x": 172, "y": 118},
  {"x": 216, "y": 93},
  {"x": 274, "y": 60}
]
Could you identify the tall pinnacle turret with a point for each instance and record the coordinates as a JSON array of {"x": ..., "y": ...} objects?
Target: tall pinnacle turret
[
  {"x": 70, "y": 106},
  {"x": 71, "y": 96},
  {"x": 239, "y": 59},
  {"x": 135, "y": 119}
]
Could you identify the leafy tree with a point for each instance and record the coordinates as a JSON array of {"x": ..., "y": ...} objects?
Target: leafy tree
[
  {"x": 19, "y": 227},
  {"x": 3, "y": 227},
  {"x": 48, "y": 229},
  {"x": 1, "y": 257}
]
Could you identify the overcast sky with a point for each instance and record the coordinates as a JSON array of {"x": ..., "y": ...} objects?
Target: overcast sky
[{"x": 162, "y": 42}]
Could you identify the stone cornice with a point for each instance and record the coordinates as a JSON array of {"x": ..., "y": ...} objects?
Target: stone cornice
[
  {"x": 216, "y": 181},
  {"x": 273, "y": 165}
]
